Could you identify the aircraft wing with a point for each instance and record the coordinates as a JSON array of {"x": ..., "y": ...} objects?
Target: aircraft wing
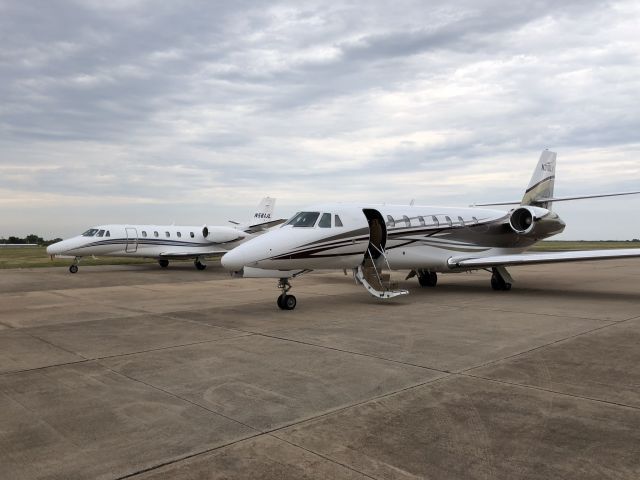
[
  {"x": 536, "y": 258},
  {"x": 263, "y": 226}
]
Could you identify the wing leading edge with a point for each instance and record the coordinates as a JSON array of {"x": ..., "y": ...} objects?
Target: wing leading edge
[{"x": 537, "y": 258}]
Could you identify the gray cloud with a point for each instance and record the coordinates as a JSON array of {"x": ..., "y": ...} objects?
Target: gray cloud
[{"x": 214, "y": 103}]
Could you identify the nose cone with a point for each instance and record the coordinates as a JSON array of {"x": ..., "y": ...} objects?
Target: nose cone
[
  {"x": 234, "y": 260},
  {"x": 54, "y": 248}
]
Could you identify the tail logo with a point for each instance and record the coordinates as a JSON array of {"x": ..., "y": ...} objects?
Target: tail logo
[{"x": 547, "y": 167}]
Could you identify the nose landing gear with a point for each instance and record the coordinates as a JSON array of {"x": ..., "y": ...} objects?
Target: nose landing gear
[
  {"x": 199, "y": 264},
  {"x": 73, "y": 268},
  {"x": 285, "y": 301}
]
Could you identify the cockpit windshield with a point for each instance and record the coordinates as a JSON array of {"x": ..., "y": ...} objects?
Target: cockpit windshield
[
  {"x": 304, "y": 219},
  {"x": 90, "y": 233}
]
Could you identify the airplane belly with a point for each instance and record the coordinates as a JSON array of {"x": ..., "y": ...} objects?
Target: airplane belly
[{"x": 423, "y": 257}]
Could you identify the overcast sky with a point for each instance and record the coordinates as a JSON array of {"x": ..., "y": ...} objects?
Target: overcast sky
[{"x": 189, "y": 112}]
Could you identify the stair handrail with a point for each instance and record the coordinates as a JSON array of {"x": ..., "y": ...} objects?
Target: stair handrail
[{"x": 382, "y": 252}]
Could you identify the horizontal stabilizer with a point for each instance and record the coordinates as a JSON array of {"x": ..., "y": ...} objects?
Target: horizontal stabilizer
[
  {"x": 537, "y": 258},
  {"x": 559, "y": 199},
  {"x": 263, "y": 226}
]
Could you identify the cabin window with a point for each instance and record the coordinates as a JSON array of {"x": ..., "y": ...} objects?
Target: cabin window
[
  {"x": 167, "y": 234},
  {"x": 191, "y": 234},
  {"x": 448, "y": 219},
  {"x": 108, "y": 234},
  {"x": 325, "y": 221},
  {"x": 336, "y": 221},
  {"x": 304, "y": 219},
  {"x": 421, "y": 221},
  {"x": 90, "y": 233},
  {"x": 100, "y": 233},
  {"x": 179, "y": 234},
  {"x": 407, "y": 222},
  {"x": 436, "y": 222},
  {"x": 144, "y": 234},
  {"x": 390, "y": 221},
  {"x": 155, "y": 234},
  {"x": 475, "y": 220},
  {"x": 461, "y": 220}
]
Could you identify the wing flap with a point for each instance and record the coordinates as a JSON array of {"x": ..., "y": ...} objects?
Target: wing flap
[{"x": 538, "y": 258}]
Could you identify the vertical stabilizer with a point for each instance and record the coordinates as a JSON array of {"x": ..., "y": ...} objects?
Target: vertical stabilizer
[
  {"x": 264, "y": 212},
  {"x": 542, "y": 181}
]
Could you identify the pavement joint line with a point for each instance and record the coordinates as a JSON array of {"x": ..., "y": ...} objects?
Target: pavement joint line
[
  {"x": 26, "y": 370},
  {"x": 539, "y": 347},
  {"x": 548, "y": 390},
  {"x": 272, "y": 433},
  {"x": 352, "y": 353},
  {"x": 169, "y": 347},
  {"x": 30, "y": 334},
  {"x": 107, "y": 357},
  {"x": 318, "y": 454},
  {"x": 176, "y": 396}
]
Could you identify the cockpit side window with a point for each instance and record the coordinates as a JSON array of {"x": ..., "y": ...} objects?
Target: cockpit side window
[
  {"x": 90, "y": 233},
  {"x": 108, "y": 234},
  {"x": 336, "y": 221},
  {"x": 100, "y": 233},
  {"x": 325, "y": 221},
  {"x": 304, "y": 219}
]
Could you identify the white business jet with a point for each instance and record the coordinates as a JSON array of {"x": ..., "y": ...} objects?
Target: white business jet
[
  {"x": 165, "y": 242},
  {"x": 426, "y": 240}
]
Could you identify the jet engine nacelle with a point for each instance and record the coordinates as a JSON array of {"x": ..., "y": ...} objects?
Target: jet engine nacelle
[
  {"x": 222, "y": 234},
  {"x": 535, "y": 221}
]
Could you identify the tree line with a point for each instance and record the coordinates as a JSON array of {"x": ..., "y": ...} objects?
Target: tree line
[{"x": 31, "y": 238}]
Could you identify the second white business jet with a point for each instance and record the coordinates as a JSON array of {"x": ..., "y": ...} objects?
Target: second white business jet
[
  {"x": 165, "y": 242},
  {"x": 426, "y": 240}
]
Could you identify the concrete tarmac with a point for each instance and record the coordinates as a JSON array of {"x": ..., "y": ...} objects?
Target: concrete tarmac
[{"x": 146, "y": 373}]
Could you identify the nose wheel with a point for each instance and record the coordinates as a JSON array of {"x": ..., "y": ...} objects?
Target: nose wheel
[
  {"x": 199, "y": 264},
  {"x": 73, "y": 268},
  {"x": 285, "y": 301}
]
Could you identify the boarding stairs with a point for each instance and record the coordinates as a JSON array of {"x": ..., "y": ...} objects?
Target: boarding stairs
[{"x": 371, "y": 276}]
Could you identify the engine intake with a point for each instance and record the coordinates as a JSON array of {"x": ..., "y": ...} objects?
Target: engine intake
[
  {"x": 535, "y": 222},
  {"x": 522, "y": 220}
]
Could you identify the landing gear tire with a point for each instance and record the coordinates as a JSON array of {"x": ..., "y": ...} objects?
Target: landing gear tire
[
  {"x": 427, "y": 279},
  {"x": 73, "y": 268},
  {"x": 498, "y": 283},
  {"x": 287, "y": 302},
  {"x": 199, "y": 265},
  {"x": 163, "y": 263}
]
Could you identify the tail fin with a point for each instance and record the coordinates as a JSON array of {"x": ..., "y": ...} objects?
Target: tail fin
[
  {"x": 542, "y": 182},
  {"x": 264, "y": 212}
]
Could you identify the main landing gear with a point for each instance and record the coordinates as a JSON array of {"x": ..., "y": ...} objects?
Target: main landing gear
[
  {"x": 427, "y": 278},
  {"x": 163, "y": 262},
  {"x": 500, "y": 279},
  {"x": 74, "y": 266},
  {"x": 285, "y": 301},
  {"x": 199, "y": 264}
]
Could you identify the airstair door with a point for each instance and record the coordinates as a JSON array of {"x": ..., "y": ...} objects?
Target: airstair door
[
  {"x": 377, "y": 233},
  {"x": 132, "y": 240}
]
